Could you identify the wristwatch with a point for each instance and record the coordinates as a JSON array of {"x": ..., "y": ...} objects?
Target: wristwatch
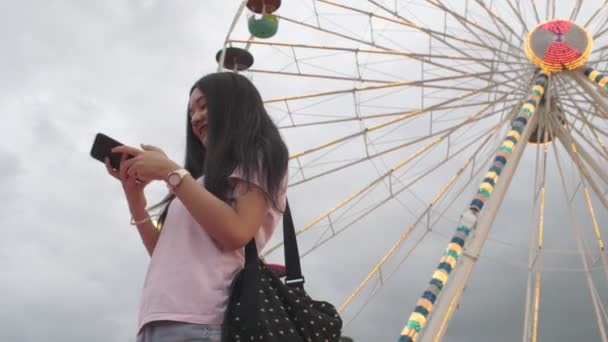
[{"x": 174, "y": 179}]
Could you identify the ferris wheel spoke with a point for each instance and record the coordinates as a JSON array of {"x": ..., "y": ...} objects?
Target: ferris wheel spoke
[
  {"x": 393, "y": 193},
  {"x": 497, "y": 52},
  {"x": 578, "y": 155},
  {"x": 377, "y": 271},
  {"x": 321, "y": 76},
  {"x": 577, "y": 232},
  {"x": 372, "y": 156},
  {"x": 600, "y": 31},
  {"x": 375, "y": 45},
  {"x": 582, "y": 116},
  {"x": 424, "y": 56},
  {"x": 550, "y": 10},
  {"x": 497, "y": 19},
  {"x": 596, "y": 227},
  {"x": 597, "y": 101},
  {"x": 573, "y": 151},
  {"x": 591, "y": 112},
  {"x": 335, "y": 33},
  {"x": 438, "y": 35},
  {"x": 535, "y": 11},
  {"x": 517, "y": 12},
  {"x": 572, "y": 98},
  {"x": 595, "y": 13},
  {"x": 370, "y": 116},
  {"x": 469, "y": 163},
  {"x": 604, "y": 152},
  {"x": 393, "y": 121},
  {"x": 600, "y": 50},
  {"x": 579, "y": 114},
  {"x": 377, "y": 87},
  {"x": 582, "y": 155},
  {"x": 468, "y": 24},
  {"x": 377, "y": 181},
  {"x": 576, "y": 10},
  {"x": 567, "y": 101},
  {"x": 535, "y": 254},
  {"x": 585, "y": 155},
  {"x": 390, "y": 84}
]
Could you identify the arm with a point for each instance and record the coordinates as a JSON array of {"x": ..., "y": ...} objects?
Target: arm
[
  {"x": 148, "y": 233},
  {"x": 232, "y": 227},
  {"x": 136, "y": 199}
]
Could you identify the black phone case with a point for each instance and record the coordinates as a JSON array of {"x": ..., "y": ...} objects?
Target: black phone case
[{"x": 102, "y": 148}]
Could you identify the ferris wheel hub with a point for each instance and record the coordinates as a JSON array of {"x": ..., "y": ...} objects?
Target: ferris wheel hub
[{"x": 558, "y": 45}]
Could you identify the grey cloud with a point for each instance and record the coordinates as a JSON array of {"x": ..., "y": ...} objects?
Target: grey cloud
[{"x": 73, "y": 267}]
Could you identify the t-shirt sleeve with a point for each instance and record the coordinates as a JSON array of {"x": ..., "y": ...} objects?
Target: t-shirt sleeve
[
  {"x": 272, "y": 217},
  {"x": 242, "y": 185}
]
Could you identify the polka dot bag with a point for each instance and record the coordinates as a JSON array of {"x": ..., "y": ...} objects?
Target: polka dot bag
[{"x": 263, "y": 308}]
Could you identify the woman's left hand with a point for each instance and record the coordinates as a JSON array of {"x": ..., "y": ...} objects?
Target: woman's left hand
[{"x": 150, "y": 163}]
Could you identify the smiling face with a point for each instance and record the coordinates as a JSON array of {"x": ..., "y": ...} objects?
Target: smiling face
[{"x": 197, "y": 109}]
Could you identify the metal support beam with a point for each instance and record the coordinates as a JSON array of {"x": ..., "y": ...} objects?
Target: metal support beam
[{"x": 451, "y": 294}]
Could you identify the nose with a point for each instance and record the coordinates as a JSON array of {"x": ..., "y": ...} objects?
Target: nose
[{"x": 197, "y": 116}]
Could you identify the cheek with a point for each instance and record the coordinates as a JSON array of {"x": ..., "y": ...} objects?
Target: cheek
[{"x": 197, "y": 116}]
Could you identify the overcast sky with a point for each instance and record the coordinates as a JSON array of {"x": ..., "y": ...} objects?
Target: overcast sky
[{"x": 73, "y": 267}]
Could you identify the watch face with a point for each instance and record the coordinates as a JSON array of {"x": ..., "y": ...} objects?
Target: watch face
[{"x": 174, "y": 179}]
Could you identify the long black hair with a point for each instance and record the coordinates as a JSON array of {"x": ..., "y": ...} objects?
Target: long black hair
[{"x": 240, "y": 134}]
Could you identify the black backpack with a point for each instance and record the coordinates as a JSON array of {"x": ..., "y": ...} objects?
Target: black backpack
[{"x": 263, "y": 308}]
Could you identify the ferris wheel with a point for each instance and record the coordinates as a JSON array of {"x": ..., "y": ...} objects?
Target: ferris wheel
[{"x": 408, "y": 121}]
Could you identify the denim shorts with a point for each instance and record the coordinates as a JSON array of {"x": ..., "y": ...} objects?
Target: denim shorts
[{"x": 168, "y": 331}]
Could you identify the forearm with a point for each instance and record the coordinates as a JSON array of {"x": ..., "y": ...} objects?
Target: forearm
[
  {"x": 147, "y": 231},
  {"x": 220, "y": 220}
]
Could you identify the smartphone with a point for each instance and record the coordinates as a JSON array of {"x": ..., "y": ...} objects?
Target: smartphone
[{"x": 102, "y": 148}]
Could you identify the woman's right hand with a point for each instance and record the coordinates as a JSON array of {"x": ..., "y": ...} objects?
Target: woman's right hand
[{"x": 133, "y": 188}]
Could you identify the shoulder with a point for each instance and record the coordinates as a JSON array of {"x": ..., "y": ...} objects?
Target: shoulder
[{"x": 257, "y": 182}]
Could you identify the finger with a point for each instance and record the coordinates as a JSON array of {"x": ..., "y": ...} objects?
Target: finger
[
  {"x": 142, "y": 182},
  {"x": 147, "y": 147},
  {"x": 126, "y": 149},
  {"x": 128, "y": 163},
  {"x": 131, "y": 182},
  {"x": 132, "y": 169},
  {"x": 109, "y": 168},
  {"x": 123, "y": 167}
]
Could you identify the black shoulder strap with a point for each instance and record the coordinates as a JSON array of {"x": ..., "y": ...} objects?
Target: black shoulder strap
[
  {"x": 290, "y": 247},
  {"x": 250, "y": 282},
  {"x": 292, "y": 256}
]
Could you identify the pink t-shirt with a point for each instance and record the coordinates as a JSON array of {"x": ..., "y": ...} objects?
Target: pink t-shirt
[{"x": 189, "y": 276}]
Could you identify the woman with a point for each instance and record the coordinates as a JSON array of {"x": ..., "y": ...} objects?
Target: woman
[{"x": 230, "y": 190}]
